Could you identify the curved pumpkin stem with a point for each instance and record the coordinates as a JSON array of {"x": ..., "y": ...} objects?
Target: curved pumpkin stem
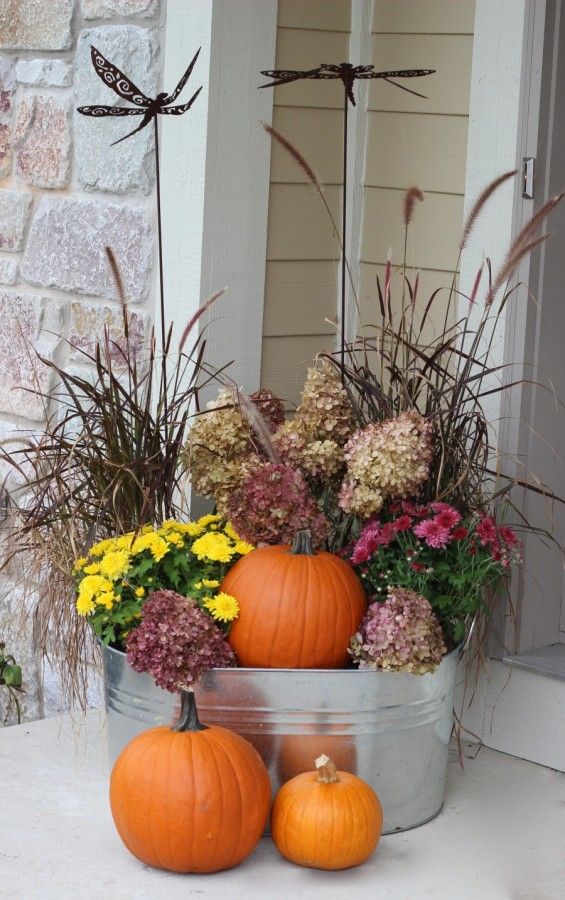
[
  {"x": 188, "y": 718},
  {"x": 327, "y": 772},
  {"x": 302, "y": 543}
]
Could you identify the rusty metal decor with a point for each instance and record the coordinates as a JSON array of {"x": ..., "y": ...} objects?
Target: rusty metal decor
[
  {"x": 349, "y": 74},
  {"x": 125, "y": 88},
  {"x": 150, "y": 109}
]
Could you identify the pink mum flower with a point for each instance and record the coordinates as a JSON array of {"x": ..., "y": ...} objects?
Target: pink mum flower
[
  {"x": 486, "y": 530},
  {"x": 508, "y": 536},
  {"x": 403, "y": 523},
  {"x": 448, "y": 517},
  {"x": 433, "y": 534}
]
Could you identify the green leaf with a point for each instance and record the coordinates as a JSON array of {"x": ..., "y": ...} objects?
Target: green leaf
[{"x": 12, "y": 675}]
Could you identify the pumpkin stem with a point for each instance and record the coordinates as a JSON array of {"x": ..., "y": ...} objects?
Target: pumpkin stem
[
  {"x": 327, "y": 772},
  {"x": 302, "y": 543},
  {"x": 188, "y": 718}
]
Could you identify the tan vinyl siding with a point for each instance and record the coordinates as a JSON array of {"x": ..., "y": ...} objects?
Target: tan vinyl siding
[
  {"x": 417, "y": 142},
  {"x": 302, "y": 251}
]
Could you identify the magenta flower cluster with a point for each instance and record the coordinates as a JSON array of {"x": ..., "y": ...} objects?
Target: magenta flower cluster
[
  {"x": 272, "y": 504},
  {"x": 400, "y": 634},
  {"x": 437, "y": 525},
  {"x": 176, "y": 642}
]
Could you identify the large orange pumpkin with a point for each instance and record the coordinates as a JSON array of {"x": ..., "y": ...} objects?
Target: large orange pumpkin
[
  {"x": 326, "y": 820},
  {"x": 297, "y": 609},
  {"x": 190, "y": 799}
]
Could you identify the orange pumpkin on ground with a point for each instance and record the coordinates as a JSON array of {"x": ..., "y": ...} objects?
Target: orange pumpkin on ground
[
  {"x": 296, "y": 752},
  {"x": 190, "y": 799},
  {"x": 326, "y": 820},
  {"x": 297, "y": 609}
]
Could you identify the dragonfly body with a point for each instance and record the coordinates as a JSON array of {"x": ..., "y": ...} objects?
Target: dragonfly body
[{"x": 147, "y": 107}]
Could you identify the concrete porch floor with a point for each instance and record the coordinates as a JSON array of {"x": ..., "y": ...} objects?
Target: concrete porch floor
[{"x": 499, "y": 837}]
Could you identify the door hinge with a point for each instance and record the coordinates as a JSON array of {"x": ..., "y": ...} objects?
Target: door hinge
[{"x": 528, "y": 165}]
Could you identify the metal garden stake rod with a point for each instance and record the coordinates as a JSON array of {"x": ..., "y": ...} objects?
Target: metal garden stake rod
[{"x": 348, "y": 74}]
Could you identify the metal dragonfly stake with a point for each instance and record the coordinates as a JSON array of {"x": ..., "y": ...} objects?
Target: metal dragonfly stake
[
  {"x": 150, "y": 109},
  {"x": 348, "y": 74}
]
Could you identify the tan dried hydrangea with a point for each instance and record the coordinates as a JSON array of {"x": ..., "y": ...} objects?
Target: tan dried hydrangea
[
  {"x": 325, "y": 411},
  {"x": 219, "y": 442},
  {"x": 389, "y": 459}
]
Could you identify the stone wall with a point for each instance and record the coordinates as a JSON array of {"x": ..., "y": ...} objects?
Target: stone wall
[{"x": 65, "y": 193}]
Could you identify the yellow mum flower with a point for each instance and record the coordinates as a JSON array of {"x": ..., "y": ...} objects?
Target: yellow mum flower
[
  {"x": 80, "y": 563},
  {"x": 203, "y": 521},
  {"x": 85, "y": 606},
  {"x": 231, "y": 532},
  {"x": 107, "y": 599},
  {"x": 243, "y": 547},
  {"x": 193, "y": 529},
  {"x": 223, "y": 607},
  {"x": 175, "y": 538},
  {"x": 101, "y": 547},
  {"x": 197, "y": 585},
  {"x": 213, "y": 546},
  {"x": 210, "y": 583},
  {"x": 92, "y": 585},
  {"x": 140, "y": 592},
  {"x": 114, "y": 564},
  {"x": 152, "y": 542},
  {"x": 92, "y": 569}
]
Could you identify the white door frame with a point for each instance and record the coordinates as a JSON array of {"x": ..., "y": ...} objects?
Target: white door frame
[{"x": 215, "y": 176}]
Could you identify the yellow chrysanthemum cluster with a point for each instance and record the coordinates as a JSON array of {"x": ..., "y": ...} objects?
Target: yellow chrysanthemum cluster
[
  {"x": 107, "y": 575},
  {"x": 389, "y": 459}
]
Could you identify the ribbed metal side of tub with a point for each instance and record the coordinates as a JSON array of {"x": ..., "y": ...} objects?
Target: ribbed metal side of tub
[{"x": 391, "y": 729}]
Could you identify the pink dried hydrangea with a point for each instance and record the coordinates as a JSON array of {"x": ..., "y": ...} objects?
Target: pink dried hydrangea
[
  {"x": 272, "y": 504},
  {"x": 401, "y": 634},
  {"x": 389, "y": 459},
  {"x": 270, "y": 406},
  {"x": 176, "y": 641}
]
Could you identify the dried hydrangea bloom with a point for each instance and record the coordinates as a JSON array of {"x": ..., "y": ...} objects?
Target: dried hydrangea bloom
[
  {"x": 389, "y": 459},
  {"x": 270, "y": 406},
  {"x": 272, "y": 504},
  {"x": 401, "y": 634},
  {"x": 218, "y": 442},
  {"x": 322, "y": 459},
  {"x": 325, "y": 411},
  {"x": 176, "y": 641}
]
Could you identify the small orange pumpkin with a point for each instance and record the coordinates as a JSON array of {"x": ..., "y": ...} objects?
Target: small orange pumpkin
[
  {"x": 190, "y": 799},
  {"x": 328, "y": 820},
  {"x": 296, "y": 752},
  {"x": 297, "y": 609}
]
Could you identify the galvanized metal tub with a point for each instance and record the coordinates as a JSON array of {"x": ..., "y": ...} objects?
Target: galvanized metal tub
[{"x": 391, "y": 729}]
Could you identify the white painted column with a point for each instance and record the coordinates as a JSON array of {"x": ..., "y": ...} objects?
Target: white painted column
[{"x": 215, "y": 175}]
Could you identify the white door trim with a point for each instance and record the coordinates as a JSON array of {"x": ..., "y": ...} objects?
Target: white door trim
[{"x": 215, "y": 175}]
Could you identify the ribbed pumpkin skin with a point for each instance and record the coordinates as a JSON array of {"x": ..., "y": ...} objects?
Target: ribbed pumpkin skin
[
  {"x": 326, "y": 826},
  {"x": 190, "y": 801},
  {"x": 296, "y": 752},
  {"x": 295, "y": 611}
]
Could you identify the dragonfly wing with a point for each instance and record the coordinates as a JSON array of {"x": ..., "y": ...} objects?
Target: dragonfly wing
[
  {"x": 399, "y": 73},
  {"x": 179, "y": 110},
  {"x": 285, "y": 76},
  {"x": 116, "y": 80},
  {"x": 172, "y": 97},
  {"x": 404, "y": 88},
  {"x": 145, "y": 121},
  {"x": 109, "y": 111}
]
